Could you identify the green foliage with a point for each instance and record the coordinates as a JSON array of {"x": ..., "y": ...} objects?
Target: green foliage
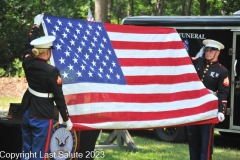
[
  {"x": 230, "y": 6},
  {"x": 16, "y": 17},
  {"x": 214, "y": 7},
  {"x": 173, "y": 8},
  {"x": 17, "y": 68},
  {"x": 14, "y": 69},
  {"x": 2, "y": 72}
]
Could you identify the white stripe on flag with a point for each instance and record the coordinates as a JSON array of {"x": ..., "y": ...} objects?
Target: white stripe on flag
[
  {"x": 167, "y": 53},
  {"x": 90, "y": 108},
  {"x": 166, "y": 70},
  {"x": 135, "y": 89},
  {"x": 131, "y": 37},
  {"x": 153, "y": 123}
]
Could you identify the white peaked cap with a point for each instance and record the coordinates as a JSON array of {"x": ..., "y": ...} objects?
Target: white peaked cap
[
  {"x": 213, "y": 43},
  {"x": 43, "y": 42}
]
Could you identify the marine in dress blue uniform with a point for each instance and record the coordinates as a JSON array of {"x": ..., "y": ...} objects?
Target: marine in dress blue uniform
[
  {"x": 44, "y": 89},
  {"x": 215, "y": 77}
]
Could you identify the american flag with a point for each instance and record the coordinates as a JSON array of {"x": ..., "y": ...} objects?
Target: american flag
[
  {"x": 90, "y": 16},
  {"x": 186, "y": 45},
  {"x": 127, "y": 77}
]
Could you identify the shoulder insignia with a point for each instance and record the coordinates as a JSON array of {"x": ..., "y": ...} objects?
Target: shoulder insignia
[
  {"x": 226, "y": 82},
  {"x": 59, "y": 80}
]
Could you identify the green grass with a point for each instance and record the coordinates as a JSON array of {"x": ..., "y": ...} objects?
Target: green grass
[
  {"x": 5, "y": 104},
  {"x": 152, "y": 149},
  {"x": 5, "y": 101}
]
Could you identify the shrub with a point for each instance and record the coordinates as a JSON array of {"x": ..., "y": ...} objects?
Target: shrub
[
  {"x": 2, "y": 72},
  {"x": 14, "y": 69}
]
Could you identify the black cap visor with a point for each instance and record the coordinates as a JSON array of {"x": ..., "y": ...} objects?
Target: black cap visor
[
  {"x": 51, "y": 47},
  {"x": 210, "y": 48}
]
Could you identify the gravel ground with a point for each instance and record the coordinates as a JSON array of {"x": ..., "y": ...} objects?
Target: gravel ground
[{"x": 12, "y": 87}]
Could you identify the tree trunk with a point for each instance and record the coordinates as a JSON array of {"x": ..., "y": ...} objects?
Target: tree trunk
[
  {"x": 203, "y": 7},
  {"x": 130, "y": 12},
  {"x": 101, "y": 10},
  {"x": 189, "y": 9},
  {"x": 118, "y": 11},
  {"x": 159, "y": 7},
  {"x": 183, "y": 7},
  {"x": 132, "y": 7}
]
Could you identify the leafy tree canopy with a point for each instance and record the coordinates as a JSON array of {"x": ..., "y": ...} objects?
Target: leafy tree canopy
[{"x": 16, "y": 17}]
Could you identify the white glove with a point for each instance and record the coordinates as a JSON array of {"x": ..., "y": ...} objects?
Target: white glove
[
  {"x": 221, "y": 116},
  {"x": 38, "y": 19},
  {"x": 69, "y": 124}
]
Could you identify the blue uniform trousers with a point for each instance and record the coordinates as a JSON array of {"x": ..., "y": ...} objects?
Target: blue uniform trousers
[
  {"x": 36, "y": 135},
  {"x": 200, "y": 140}
]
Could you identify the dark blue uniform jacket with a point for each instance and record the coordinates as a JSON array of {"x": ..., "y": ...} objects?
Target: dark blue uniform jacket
[
  {"x": 44, "y": 78},
  {"x": 214, "y": 77}
]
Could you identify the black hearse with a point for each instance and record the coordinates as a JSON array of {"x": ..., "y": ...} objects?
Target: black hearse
[{"x": 192, "y": 30}]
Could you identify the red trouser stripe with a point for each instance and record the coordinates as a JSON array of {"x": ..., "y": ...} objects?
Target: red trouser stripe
[
  {"x": 209, "y": 154},
  {"x": 48, "y": 137}
]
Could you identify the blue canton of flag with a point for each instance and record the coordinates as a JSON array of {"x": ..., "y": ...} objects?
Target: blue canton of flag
[
  {"x": 185, "y": 42},
  {"x": 83, "y": 51}
]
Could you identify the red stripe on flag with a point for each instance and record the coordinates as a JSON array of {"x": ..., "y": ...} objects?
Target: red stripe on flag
[
  {"x": 154, "y": 61},
  {"x": 147, "y": 45},
  {"x": 161, "y": 79},
  {"x": 142, "y": 116},
  {"x": 134, "y": 98},
  {"x": 207, "y": 121},
  {"x": 77, "y": 126},
  {"x": 138, "y": 30}
]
